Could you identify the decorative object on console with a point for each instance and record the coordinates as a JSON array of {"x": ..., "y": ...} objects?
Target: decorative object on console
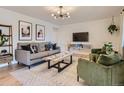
[
  {"x": 40, "y": 32},
  {"x": 4, "y": 51},
  {"x": 61, "y": 14},
  {"x": 79, "y": 46},
  {"x": 25, "y": 30},
  {"x": 112, "y": 28}
]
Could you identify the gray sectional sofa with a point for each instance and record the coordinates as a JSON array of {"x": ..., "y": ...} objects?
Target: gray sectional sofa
[{"x": 27, "y": 58}]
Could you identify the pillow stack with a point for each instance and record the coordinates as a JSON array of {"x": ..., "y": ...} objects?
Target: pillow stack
[
  {"x": 32, "y": 49},
  {"x": 50, "y": 46}
]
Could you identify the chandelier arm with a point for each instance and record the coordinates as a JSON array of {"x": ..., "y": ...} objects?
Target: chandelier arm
[
  {"x": 61, "y": 10},
  {"x": 60, "y": 14}
]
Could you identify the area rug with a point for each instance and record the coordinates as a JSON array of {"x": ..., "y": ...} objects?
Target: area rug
[{"x": 42, "y": 76}]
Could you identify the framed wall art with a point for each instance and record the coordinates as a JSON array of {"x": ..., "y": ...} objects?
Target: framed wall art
[
  {"x": 40, "y": 32},
  {"x": 25, "y": 30}
]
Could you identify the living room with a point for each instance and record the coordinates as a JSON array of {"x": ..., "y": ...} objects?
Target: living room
[{"x": 66, "y": 34}]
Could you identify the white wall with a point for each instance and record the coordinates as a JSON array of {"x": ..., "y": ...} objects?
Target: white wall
[
  {"x": 11, "y": 18},
  {"x": 98, "y": 33},
  {"x": 122, "y": 33}
]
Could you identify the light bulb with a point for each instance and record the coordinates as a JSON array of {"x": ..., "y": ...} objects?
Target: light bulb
[
  {"x": 68, "y": 16},
  {"x": 68, "y": 13},
  {"x": 58, "y": 12},
  {"x": 52, "y": 14}
]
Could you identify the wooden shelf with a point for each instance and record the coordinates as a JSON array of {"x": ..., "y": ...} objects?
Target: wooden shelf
[
  {"x": 5, "y": 45},
  {"x": 8, "y": 56},
  {"x": 7, "y": 35}
]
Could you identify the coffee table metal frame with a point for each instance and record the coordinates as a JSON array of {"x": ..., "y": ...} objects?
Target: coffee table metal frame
[{"x": 57, "y": 65}]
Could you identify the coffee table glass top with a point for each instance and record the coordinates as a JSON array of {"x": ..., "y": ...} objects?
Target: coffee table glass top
[{"x": 59, "y": 56}]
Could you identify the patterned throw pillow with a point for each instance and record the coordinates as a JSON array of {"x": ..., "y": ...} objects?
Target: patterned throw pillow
[
  {"x": 27, "y": 48},
  {"x": 54, "y": 46},
  {"x": 34, "y": 49},
  {"x": 47, "y": 47},
  {"x": 50, "y": 46}
]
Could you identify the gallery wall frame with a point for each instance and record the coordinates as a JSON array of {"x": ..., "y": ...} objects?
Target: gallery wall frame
[
  {"x": 25, "y": 30},
  {"x": 40, "y": 32}
]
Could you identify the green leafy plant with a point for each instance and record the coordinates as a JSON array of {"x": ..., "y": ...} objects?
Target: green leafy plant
[
  {"x": 108, "y": 47},
  {"x": 2, "y": 38},
  {"x": 112, "y": 28}
]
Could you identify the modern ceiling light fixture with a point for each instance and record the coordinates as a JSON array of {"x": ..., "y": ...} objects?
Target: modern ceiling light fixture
[{"x": 61, "y": 14}]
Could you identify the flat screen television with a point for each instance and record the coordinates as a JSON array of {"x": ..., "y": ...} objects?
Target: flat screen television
[{"x": 81, "y": 37}]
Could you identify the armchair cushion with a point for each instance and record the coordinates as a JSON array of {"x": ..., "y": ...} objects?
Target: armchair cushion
[{"x": 108, "y": 59}]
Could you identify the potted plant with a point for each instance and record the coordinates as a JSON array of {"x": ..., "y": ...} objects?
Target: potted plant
[
  {"x": 112, "y": 28},
  {"x": 2, "y": 38},
  {"x": 108, "y": 47}
]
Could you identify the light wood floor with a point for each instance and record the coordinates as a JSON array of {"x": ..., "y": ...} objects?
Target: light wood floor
[{"x": 6, "y": 79}]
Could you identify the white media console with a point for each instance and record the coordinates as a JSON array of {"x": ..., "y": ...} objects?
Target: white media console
[{"x": 80, "y": 47}]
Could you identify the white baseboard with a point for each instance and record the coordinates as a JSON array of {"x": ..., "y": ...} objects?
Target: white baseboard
[{"x": 6, "y": 64}]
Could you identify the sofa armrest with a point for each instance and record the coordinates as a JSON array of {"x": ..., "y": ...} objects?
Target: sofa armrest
[
  {"x": 93, "y": 57},
  {"x": 22, "y": 56},
  {"x": 94, "y": 73}
]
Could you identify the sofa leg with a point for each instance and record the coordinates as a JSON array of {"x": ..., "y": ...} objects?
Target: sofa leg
[
  {"x": 29, "y": 67},
  {"x": 77, "y": 78}
]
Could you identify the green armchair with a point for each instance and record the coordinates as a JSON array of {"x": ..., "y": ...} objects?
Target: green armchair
[
  {"x": 94, "y": 54},
  {"x": 97, "y": 74}
]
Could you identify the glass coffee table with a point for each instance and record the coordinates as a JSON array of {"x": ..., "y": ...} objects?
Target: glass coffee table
[{"x": 56, "y": 60}]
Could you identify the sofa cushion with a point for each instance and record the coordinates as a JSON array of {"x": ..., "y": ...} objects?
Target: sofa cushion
[
  {"x": 41, "y": 46},
  {"x": 39, "y": 55},
  {"x": 109, "y": 59}
]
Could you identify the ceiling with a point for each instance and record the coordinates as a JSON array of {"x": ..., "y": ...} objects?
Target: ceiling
[{"x": 78, "y": 13}]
